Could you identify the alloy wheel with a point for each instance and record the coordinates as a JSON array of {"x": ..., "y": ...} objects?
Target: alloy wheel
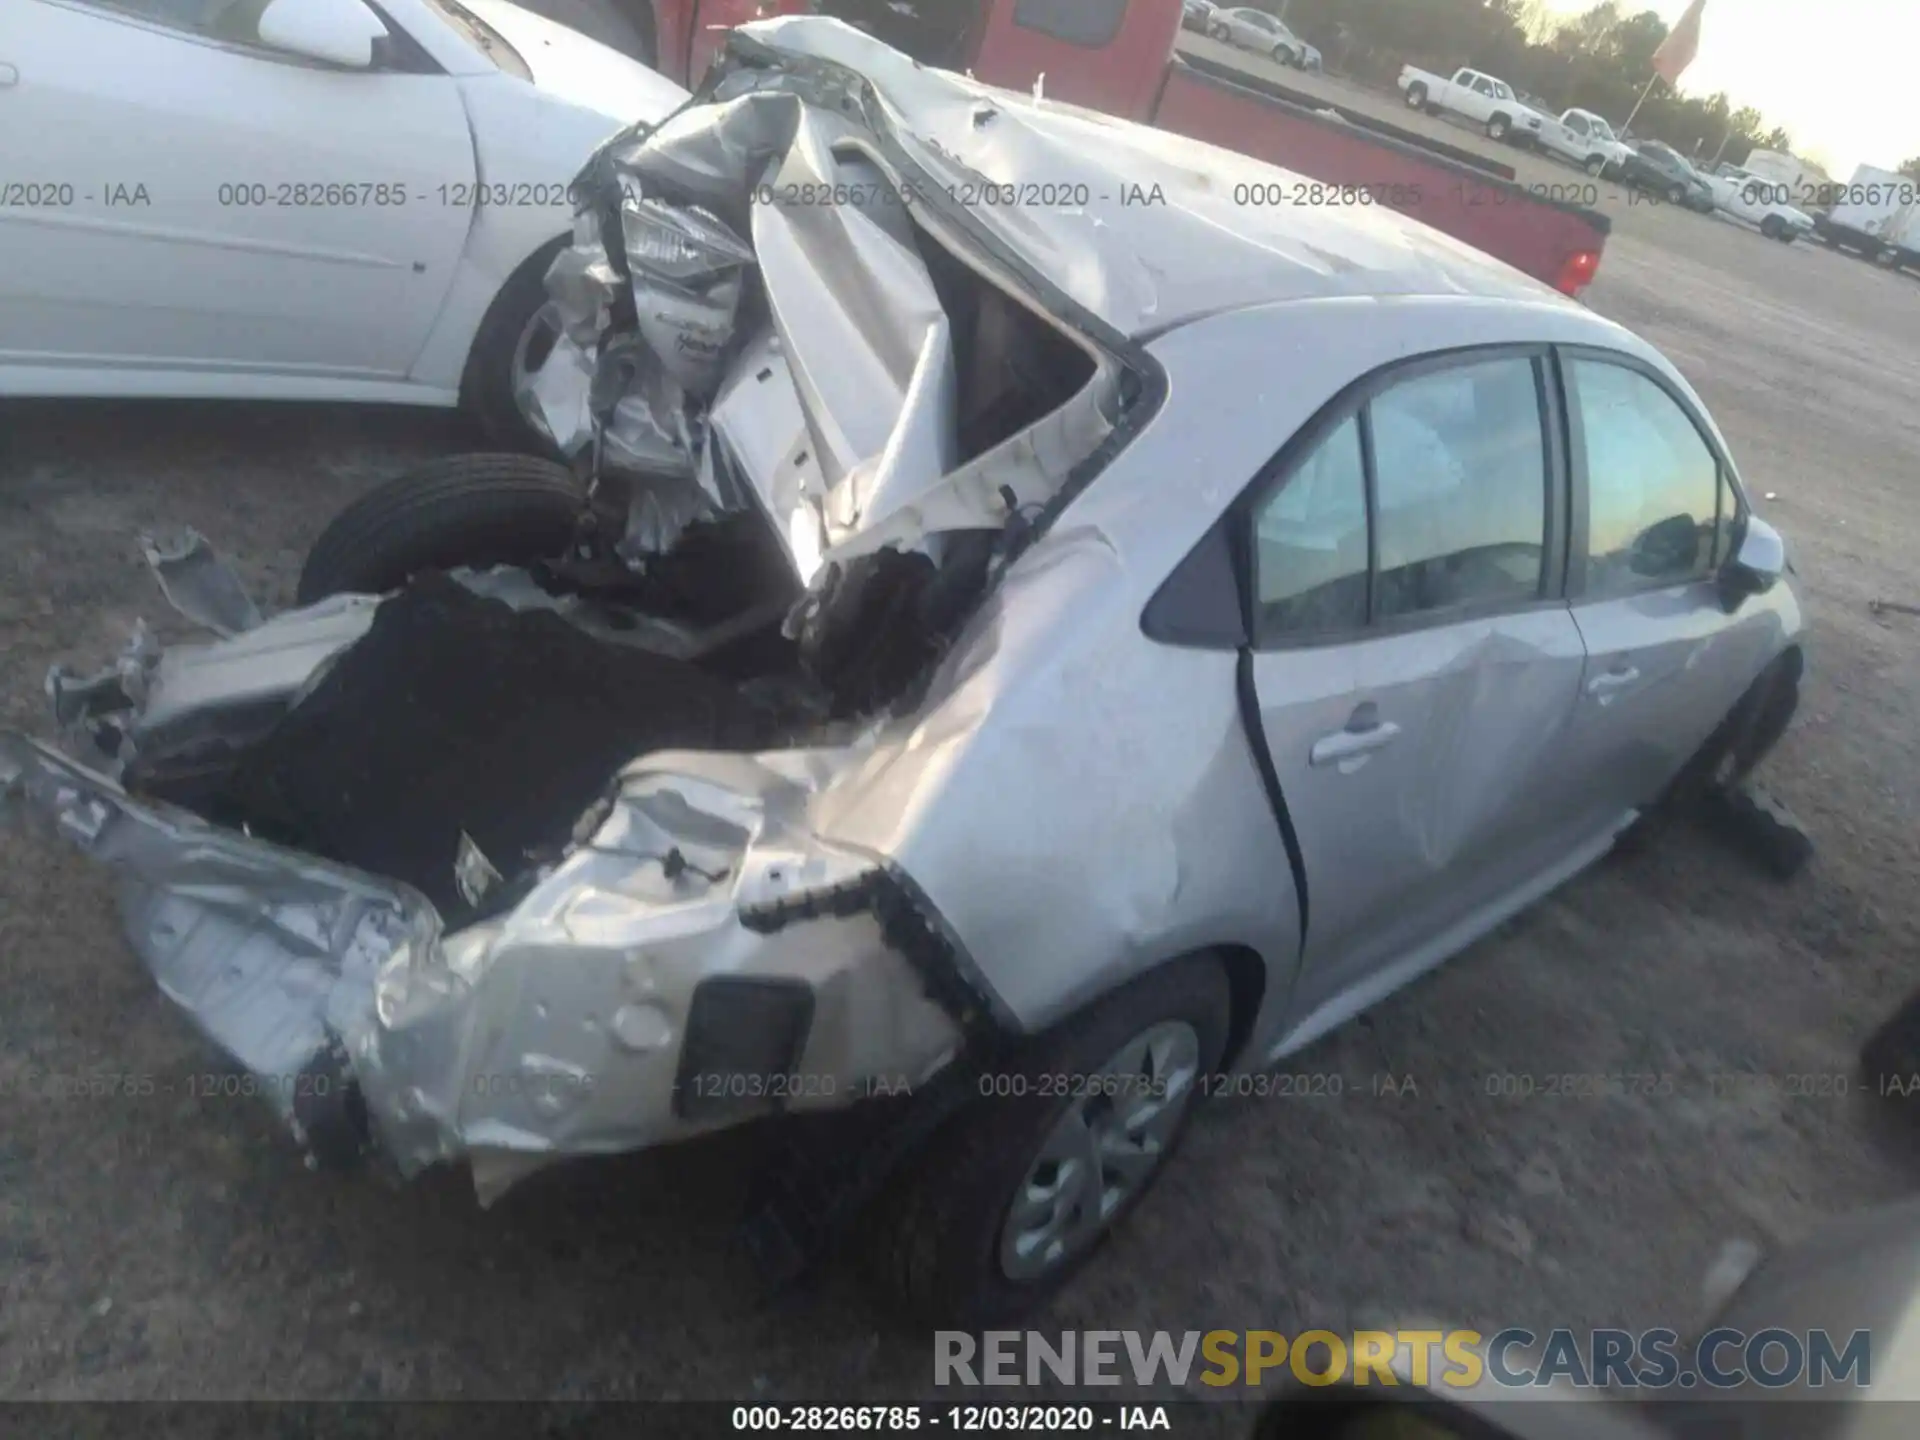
[{"x": 1105, "y": 1147}]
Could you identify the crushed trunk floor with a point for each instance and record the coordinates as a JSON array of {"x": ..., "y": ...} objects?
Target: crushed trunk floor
[{"x": 460, "y": 714}]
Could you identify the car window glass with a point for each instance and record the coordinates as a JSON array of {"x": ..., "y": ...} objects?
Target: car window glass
[
  {"x": 1092, "y": 23},
  {"x": 1576, "y": 124},
  {"x": 1485, "y": 87},
  {"x": 234, "y": 21},
  {"x": 179, "y": 14},
  {"x": 1502, "y": 91},
  {"x": 1310, "y": 542},
  {"x": 1460, "y": 471},
  {"x": 1653, "y": 485}
]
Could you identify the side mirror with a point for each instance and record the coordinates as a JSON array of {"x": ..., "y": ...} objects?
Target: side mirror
[
  {"x": 1755, "y": 567},
  {"x": 1668, "y": 548},
  {"x": 340, "y": 32}
]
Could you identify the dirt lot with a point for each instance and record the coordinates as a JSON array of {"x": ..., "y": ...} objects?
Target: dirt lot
[{"x": 161, "y": 1245}]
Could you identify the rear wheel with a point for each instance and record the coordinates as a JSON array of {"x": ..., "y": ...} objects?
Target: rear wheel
[
  {"x": 472, "y": 511},
  {"x": 1021, "y": 1189},
  {"x": 1498, "y": 127},
  {"x": 1416, "y": 97}
]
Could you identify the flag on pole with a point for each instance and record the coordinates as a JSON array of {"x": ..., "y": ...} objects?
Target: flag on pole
[{"x": 1676, "y": 52}]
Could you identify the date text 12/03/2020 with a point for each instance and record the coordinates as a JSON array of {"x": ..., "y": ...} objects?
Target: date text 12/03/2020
[{"x": 959, "y": 1419}]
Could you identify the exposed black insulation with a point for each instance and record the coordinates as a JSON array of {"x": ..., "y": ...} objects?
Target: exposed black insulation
[{"x": 457, "y": 713}]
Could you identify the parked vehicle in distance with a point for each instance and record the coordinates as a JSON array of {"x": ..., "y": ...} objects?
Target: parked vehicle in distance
[
  {"x": 1470, "y": 95},
  {"x": 1130, "y": 68},
  {"x": 1876, "y": 214},
  {"x": 1802, "y": 180},
  {"x": 1197, "y": 15},
  {"x": 759, "y": 869},
  {"x": 1587, "y": 140},
  {"x": 1251, "y": 29},
  {"x": 356, "y": 206},
  {"x": 1759, "y": 202},
  {"x": 1659, "y": 169}
]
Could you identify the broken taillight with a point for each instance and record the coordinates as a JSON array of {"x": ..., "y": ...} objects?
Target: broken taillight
[{"x": 1578, "y": 272}]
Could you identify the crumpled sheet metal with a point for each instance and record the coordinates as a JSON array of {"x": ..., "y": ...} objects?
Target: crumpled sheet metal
[
  {"x": 859, "y": 337},
  {"x": 1154, "y": 200},
  {"x": 867, "y": 340},
  {"x": 581, "y": 283},
  {"x": 199, "y": 583},
  {"x": 710, "y": 155},
  {"x": 552, "y": 1031},
  {"x": 687, "y": 268},
  {"x": 273, "y": 953}
]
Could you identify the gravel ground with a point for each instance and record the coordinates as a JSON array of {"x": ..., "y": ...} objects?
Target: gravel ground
[{"x": 162, "y": 1245}]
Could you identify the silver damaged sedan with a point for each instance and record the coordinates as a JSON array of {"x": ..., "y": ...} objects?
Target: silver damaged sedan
[{"x": 968, "y": 675}]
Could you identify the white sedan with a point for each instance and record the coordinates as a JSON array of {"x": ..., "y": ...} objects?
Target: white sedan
[
  {"x": 1759, "y": 201},
  {"x": 292, "y": 199}
]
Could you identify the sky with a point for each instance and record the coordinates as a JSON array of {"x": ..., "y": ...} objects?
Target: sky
[{"x": 1838, "y": 74}]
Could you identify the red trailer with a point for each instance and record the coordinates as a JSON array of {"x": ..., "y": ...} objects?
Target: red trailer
[{"x": 1118, "y": 56}]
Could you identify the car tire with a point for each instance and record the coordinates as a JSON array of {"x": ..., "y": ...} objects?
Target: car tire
[
  {"x": 462, "y": 511},
  {"x": 942, "y": 1248},
  {"x": 517, "y": 329},
  {"x": 1759, "y": 825},
  {"x": 1498, "y": 127},
  {"x": 1728, "y": 757},
  {"x": 1596, "y": 165},
  {"x": 1677, "y": 194},
  {"x": 1416, "y": 97},
  {"x": 1282, "y": 56},
  {"x": 1219, "y": 32},
  {"x": 1773, "y": 227}
]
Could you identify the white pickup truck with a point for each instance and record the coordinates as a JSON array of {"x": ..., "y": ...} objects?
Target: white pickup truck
[
  {"x": 1473, "y": 96},
  {"x": 1586, "y": 139}
]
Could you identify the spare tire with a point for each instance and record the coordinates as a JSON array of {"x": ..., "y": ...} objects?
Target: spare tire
[{"x": 465, "y": 510}]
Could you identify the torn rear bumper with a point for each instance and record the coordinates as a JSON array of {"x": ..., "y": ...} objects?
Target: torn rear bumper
[{"x": 622, "y": 1004}]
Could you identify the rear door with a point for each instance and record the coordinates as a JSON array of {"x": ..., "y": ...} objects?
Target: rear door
[
  {"x": 1653, "y": 517},
  {"x": 215, "y": 207},
  {"x": 1415, "y": 663}
]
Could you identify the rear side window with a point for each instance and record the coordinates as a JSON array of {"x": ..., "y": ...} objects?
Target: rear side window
[
  {"x": 1654, "y": 491},
  {"x": 1092, "y": 23},
  {"x": 1454, "y": 462},
  {"x": 1310, "y": 542}
]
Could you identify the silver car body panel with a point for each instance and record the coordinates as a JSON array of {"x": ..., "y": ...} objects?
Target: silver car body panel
[{"x": 1067, "y": 801}]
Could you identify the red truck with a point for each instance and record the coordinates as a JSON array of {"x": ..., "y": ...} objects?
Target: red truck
[{"x": 1118, "y": 56}]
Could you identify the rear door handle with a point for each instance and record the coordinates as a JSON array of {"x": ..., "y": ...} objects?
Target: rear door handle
[
  {"x": 1344, "y": 745},
  {"x": 1612, "y": 683}
]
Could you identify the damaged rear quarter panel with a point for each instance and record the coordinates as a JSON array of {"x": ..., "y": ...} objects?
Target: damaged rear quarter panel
[{"x": 1078, "y": 802}]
